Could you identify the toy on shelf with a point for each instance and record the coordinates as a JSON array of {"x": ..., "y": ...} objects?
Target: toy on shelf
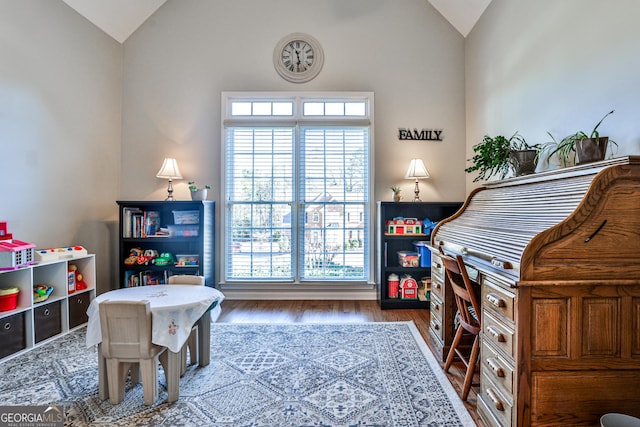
[
  {"x": 400, "y": 225},
  {"x": 41, "y": 293},
  {"x": 9, "y": 298},
  {"x": 14, "y": 253},
  {"x": 54, "y": 254},
  {"x": 408, "y": 287},
  {"x": 164, "y": 260},
  {"x": 4, "y": 232},
  {"x": 80, "y": 285}
]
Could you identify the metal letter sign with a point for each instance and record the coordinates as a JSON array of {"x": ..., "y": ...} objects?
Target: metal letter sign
[{"x": 405, "y": 134}]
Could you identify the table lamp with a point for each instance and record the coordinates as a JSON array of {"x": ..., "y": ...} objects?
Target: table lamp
[
  {"x": 170, "y": 171},
  {"x": 417, "y": 171}
]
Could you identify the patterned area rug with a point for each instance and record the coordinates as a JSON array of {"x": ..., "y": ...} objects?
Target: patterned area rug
[{"x": 276, "y": 375}]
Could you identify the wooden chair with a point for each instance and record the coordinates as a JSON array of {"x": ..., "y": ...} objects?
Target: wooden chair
[
  {"x": 126, "y": 345},
  {"x": 192, "y": 341},
  {"x": 468, "y": 305}
]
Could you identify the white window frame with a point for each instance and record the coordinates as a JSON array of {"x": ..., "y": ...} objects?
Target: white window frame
[{"x": 297, "y": 119}]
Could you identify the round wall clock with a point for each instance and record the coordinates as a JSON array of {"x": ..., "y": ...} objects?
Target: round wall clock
[{"x": 298, "y": 57}]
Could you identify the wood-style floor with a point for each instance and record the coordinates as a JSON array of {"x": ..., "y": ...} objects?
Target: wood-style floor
[{"x": 329, "y": 311}]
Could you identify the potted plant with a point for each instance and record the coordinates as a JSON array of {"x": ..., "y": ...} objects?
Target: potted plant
[
  {"x": 396, "y": 193},
  {"x": 498, "y": 155},
  {"x": 198, "y": 193},
  {"x": 580, "y": 147}
]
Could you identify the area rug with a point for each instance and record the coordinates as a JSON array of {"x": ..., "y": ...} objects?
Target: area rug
[{"x": 261, "y": 375}]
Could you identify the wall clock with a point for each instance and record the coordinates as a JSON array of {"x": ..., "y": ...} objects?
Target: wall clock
[{"x": 298, "y": 57}]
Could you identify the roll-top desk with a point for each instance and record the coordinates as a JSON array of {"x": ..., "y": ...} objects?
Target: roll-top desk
[{"x": 557, "y": 255}]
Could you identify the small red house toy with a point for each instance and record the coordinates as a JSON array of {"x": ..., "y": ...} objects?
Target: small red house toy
[
  {"x": 404, "y": 226},
  {"x": 408, "y": 288}
]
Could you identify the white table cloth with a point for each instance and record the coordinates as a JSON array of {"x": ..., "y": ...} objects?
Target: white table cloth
[{"x": 174, "y": 310}]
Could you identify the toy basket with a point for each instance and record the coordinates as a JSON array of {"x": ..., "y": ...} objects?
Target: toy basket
[{"x": 9, "y": 298}]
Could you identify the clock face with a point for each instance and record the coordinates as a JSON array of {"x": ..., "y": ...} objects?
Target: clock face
[{"x": 298, "y": 58}]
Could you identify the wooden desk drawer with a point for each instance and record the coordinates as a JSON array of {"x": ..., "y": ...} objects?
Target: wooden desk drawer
[
  {"x": 47, "y": 321},
  {"x": 437, "y": 287},
  {"x": 499, "y": 370},
  {"x": 491, "y": 401},
  {"x": 435, "y": 325},
  {"x": 436, "y": 307},
  {"x": 501, "y": 336},
  {"x": 12, "y": 337},
  {"x": 437, "y": 269},
  {"x": 497, "y": 299}
]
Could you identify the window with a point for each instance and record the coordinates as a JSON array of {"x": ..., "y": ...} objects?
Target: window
[{"x": 297, "y": 187}]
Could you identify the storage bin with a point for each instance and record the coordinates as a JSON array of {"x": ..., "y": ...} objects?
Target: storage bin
[
  {"x": 186, "y": 217},
  {"x": 9, "y": 298},
  {"x": 408, "y": 259},
  {"x": 78, "y": 305},
  {"x": 425, "y": 254},
  {"x": 12, "y": 334},
  {"x": 47, "y": 321},
  {"x": 183, "y": 230}
]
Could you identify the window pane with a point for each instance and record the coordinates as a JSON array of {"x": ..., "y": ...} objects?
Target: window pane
[
  {"x": 334, "y": 108},
  {"x": 261, "y": 108},
  {"x": 283, "y": 108},
  {"x": 314, "y": 108},
  {"x": 355, "y": 109},
  {"x": 335, "y": 239},
  {"x": 240, "y": 108}
]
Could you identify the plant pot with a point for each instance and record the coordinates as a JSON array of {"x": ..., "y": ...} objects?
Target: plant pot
[
  {"x": 591, "y": 149},
  {"x": 199, "y": 194},
  {"x": 396, "y": 197},
  {"x": 524, "y": 161}
]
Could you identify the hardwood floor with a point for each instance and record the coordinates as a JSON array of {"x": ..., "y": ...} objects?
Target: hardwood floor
[{"x": 330, "y": 311}]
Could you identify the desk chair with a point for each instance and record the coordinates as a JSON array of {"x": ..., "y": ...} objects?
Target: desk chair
[
  {"x": 192, "y": 341},
  {"x": 126, "y": 345},
  {"x": 469, "y": 318}
]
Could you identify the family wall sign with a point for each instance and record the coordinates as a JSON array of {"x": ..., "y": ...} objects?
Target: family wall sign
[{"x": 406, "y": 134}]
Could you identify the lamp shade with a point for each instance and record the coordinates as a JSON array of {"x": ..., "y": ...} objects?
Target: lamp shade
[
  {"x": 417, "y": 170},
  {"x": 169, "y": 169}
]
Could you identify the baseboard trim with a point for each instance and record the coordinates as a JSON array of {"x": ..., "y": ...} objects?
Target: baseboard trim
[{"x": 254, "y": 294}]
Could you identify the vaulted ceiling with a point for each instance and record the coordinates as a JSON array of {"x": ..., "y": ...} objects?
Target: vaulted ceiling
[{"x": 120, "y": 18}]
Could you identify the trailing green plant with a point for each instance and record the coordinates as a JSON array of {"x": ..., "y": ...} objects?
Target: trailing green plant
[
  {"x": 493, "y": 155},
  {"x": 565, "y": 149}
]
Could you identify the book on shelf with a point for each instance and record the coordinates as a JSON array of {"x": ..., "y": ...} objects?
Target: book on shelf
[
  {"x": 151, "y": 223},
  {"x": 135, "y": 278},
  {"x": 127, "y": 221},
  {"x": 137, "y": 223}
]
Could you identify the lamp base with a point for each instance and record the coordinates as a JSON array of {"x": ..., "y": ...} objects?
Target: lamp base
[
  {"x": 169, "y": 192},
  {"x": 416, "y": 191}
]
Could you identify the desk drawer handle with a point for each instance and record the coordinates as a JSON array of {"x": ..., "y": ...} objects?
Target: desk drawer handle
[
  {"x": 495, "y": 367},
  {"x": 492, "y": 330},
  {"x": 497, "y": 403},
  {"x": 496, "y": 300},
  {"x": 436, "y": 285},
  {"x": 436, "y": 327},
  {"x": 436, "y": 306}
]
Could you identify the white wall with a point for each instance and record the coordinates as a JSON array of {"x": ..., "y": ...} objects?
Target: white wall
[
  {"x": 557, "y": 66},
  {"x": 177, "y": 64},
  {"x": 60, "y": 96}
]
